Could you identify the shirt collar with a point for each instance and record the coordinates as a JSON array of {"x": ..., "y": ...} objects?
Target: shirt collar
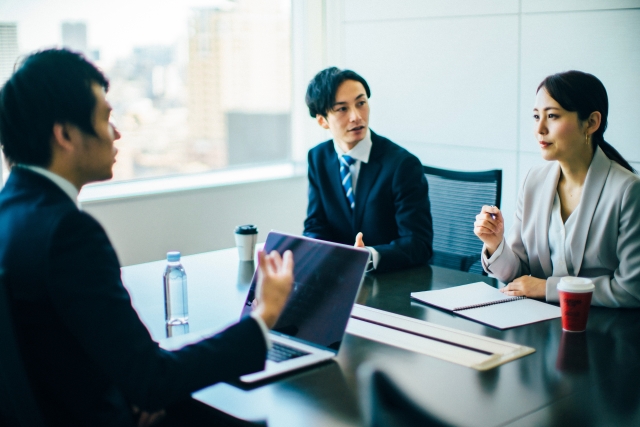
[
  {"x": 68, "y": 188},
  {"x": 360, "y": 152}
]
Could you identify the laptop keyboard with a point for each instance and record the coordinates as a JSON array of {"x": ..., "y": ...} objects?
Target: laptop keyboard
[{"x": 280, "y": 353}]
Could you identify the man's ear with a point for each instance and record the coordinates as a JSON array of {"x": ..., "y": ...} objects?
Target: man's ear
[
  {"x": 62, "y": 136},
  {"x": 322, "y": 121}
]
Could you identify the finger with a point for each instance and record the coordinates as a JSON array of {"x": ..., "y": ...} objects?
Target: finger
[
  {"x": 276, "y": 259},
  {"x": 483, "y": 230},
  {"x": 492, "y": 211},
  {"x": 270, "y": 263},
  {"x": 287, "y": 262},
  {"x": 274, "y": 262},
  {"x": 261, "y": 260},
  {"x": 359, "y": 242},
  {"x": 486, "y": 209}
]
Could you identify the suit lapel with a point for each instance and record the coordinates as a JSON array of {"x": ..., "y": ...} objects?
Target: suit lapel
[
  {"x": 543, "y": 215},
  {"x": 367, "y": 178},
  {"x": 593, "y": 185},
  {"x": 333, "y": 169}
]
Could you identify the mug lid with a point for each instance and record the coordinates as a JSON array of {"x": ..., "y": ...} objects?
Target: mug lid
[
  {"x": 246, "y": 229},
  {"x": 576, "y": 284}
]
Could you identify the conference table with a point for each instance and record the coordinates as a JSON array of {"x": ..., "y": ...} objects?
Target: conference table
[{"x": 587, "y": 379}]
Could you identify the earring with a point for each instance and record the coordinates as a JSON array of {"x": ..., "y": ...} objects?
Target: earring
[{"x": 586, "y": 139}]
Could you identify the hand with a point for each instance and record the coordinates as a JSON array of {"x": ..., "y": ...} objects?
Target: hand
[
  {"x": 147, "y": 419},
  {"x": 359, "y": 243},
  {"x": 528, "y": 286},
  {"x": 275, "y": 278},
  {"x": 489, "y": 227}
]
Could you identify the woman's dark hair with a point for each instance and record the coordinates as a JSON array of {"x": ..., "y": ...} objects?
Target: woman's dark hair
[
  {"x": 584, "y": 93},
  {"x": 50, "y": 86},
  {"x": 321, "y": 92}
]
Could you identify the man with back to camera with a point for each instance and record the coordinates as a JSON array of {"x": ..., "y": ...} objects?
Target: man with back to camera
[
  {"x": 89, "y": 358},
  {"x": 363, "y": 187}
]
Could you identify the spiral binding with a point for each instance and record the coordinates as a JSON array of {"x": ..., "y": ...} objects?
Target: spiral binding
[{"x": 485, "y": 304}]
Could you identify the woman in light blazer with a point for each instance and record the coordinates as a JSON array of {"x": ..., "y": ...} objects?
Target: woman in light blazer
[{"x": 577, "y": 215}]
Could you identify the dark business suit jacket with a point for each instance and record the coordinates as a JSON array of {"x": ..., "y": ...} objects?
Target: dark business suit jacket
[
  {"x": 391, "y": 204},
  {"x": 87, "y": 354}
]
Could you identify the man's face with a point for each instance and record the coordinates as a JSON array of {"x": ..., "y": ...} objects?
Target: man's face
[
  {"x": 348, "y": 119},
  {"x": 97, "y": 153}
]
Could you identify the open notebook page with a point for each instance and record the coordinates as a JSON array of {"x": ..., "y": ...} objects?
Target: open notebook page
[
  {"x": 461, "y": 296},
  {"x": 512, "y": 314}
]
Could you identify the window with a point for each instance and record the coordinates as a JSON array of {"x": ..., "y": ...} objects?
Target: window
[{"x": 195, "y": 85}]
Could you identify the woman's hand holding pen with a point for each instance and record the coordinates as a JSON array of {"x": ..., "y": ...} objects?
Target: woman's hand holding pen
[{"x": 489, "y": 227}]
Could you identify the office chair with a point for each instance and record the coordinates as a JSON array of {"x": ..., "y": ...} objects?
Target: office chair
[
  {"x": 18, "y": 406},
  {"x": 456, "y": 198},
  {"x": 384, "y": 404}
]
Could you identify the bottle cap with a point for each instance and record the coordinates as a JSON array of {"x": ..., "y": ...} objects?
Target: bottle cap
[
  {"x": 246, "y": 229},
  {"x": 173, "y": 256}
]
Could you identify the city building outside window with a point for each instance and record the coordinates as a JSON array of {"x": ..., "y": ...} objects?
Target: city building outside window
[{"x": 195, "y": 85}]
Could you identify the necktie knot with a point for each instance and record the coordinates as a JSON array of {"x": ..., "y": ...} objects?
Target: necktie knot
[{"x": 347, "y": 160}]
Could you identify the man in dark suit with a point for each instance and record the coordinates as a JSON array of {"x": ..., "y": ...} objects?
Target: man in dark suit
[
  {"x": 89, "y": 358},
  {"x": 363, "y": 187}
]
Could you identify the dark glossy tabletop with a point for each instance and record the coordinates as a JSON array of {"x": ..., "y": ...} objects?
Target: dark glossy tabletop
[{"x": 586, "y": 379}]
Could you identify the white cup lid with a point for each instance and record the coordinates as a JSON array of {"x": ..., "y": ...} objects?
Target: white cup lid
[{"x": 576, "y": 284}]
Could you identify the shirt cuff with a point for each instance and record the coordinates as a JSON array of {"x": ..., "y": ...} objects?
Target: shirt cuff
[
  {"x": 551, "y": 293},
  {"x": 264, "y": 329},
  {"x": 489, "y": 260},
  {"x": 374, "y": 259}
]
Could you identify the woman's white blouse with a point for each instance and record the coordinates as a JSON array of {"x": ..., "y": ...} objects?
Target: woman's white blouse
[{"x": 559, "y": 237}]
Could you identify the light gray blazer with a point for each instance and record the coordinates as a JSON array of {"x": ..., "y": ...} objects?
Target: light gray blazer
[{"x": 605, "y": 246}]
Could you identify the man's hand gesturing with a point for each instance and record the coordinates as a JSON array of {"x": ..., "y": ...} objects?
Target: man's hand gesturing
[{"x": 275, "y": 278}]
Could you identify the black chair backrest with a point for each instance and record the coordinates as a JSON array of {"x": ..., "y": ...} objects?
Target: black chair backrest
[
  {"x": 386, "y": 405},
  {"x": 456, "y": 198},
  {"x": 18, "y": 406}
]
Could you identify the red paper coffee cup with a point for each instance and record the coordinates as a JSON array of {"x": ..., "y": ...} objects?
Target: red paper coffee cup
[{"x": 575, "y": 299}]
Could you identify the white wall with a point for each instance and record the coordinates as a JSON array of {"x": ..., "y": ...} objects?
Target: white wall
[
  {"x": 454, "y": 81},
  {"x": 144, "y": 228}
]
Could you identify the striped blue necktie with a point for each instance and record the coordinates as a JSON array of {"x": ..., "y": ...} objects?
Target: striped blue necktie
[{"x": 345, "y": 174}]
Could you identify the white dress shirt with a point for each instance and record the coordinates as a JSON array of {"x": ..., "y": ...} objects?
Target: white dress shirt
[{"x": 360, "y": 153}]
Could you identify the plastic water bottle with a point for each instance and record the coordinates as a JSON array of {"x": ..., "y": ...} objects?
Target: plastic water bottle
[{"x": 175, "y": 291}]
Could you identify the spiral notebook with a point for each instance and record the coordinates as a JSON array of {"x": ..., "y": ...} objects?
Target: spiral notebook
[{"x": 485, "y": 304}]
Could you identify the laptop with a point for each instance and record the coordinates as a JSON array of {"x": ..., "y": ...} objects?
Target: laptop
[{"x": 310, "y": 329}]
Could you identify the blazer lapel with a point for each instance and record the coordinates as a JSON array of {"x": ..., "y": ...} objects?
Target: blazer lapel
[
  {"x": 543, "y": 214},
  {"x": 333, "y": 169},
  {"x": 366, "y": 179},
  {"x": 593, "y": 185}
]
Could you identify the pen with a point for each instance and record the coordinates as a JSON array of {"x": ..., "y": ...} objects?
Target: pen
[{"x": 493, "y": 216}]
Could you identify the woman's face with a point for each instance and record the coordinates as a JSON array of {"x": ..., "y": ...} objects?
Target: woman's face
[{"x": 559, "y": 132}]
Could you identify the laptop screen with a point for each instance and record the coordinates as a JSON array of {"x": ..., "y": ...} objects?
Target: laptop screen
[{"x": 326, "y": 280}]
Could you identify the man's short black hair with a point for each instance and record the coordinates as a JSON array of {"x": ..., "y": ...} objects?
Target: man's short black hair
[
  {"x": 321, "y": 92},
  {"x": 50, "y": 86}
]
